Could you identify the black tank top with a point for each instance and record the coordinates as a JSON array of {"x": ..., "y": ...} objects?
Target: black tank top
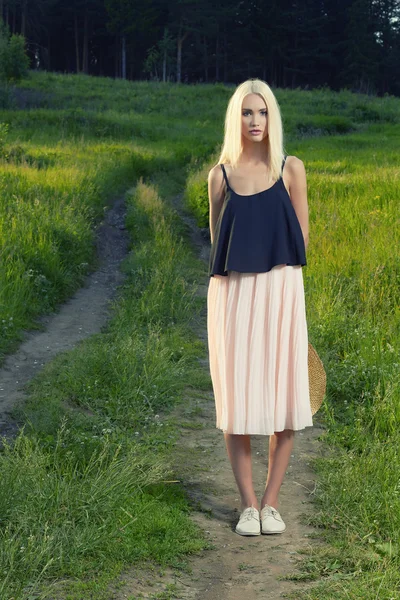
[{"x": 254, "y": 233}]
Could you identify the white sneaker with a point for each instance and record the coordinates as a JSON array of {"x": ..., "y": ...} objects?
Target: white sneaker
[
  {"x": 249, "y": 522},
  {"x": 271, "y": 520}
]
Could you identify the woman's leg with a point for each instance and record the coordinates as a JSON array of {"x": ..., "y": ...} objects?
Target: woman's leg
[
  {"x": 280, "y": 448},
  {"x": 239, "y": 452}
]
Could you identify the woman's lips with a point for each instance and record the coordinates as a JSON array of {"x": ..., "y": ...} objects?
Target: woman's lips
[{"x": 255, "y": 131}]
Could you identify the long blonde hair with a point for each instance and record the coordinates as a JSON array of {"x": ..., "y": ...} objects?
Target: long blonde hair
[{"x": 232, "y": 144}]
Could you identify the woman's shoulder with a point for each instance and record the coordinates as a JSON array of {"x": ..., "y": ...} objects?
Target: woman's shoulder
[
  {"x": 294, "y": 172},
  {"x": 294, "y": 166},
  {"x": 293, "y": 162},
  {"x": 216, "y": 182},
  {"x": 215, "y": 173}
]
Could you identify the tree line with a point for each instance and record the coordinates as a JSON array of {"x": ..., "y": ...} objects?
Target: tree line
[{"x": 290, "y": 43}]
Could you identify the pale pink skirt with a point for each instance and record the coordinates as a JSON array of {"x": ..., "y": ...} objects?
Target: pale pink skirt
[{"x": 258, "y": 351}]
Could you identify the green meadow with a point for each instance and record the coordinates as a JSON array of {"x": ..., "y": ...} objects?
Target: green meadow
[{"x": 93, "y": 455}]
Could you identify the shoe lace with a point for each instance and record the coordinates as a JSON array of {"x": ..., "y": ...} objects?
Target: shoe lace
[
  {"x": 250, "y": 513},
  {"x": 271, "y": 510}
]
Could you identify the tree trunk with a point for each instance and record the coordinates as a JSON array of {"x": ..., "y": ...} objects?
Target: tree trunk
[
  {"x": 294, "y": 72},
  {"x": 225, "y": 77},
  {"x": 179, "y": 60},
  {"x": 217, "y": 57},
  {"x": 85, "y": 57},
  {"x": 165, "y": 54},
  {"x": 76, "y": 41},
  {"x": 181, "y": 39},
  {"x": 123, "y": 57},
  {"x": 205, "y": 59},
  {"x": 164, "y": 65},
  {"x": 48, "y": 65},
  {"x": 116, "y": 74},
  {"x": 101, "y": 63},
  {"x": 14, "y": 19},
  {"x": 23, "y": 17}
]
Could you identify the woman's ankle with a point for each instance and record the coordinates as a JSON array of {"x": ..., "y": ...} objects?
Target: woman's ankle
[
  {"x": 270, "y": 501},
  {"x": 247, "y": 503}
]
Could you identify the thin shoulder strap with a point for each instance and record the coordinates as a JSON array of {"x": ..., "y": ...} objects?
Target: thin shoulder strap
[
  {"x": 283, "y": 163},
  {"x": 225, "y": 177}
]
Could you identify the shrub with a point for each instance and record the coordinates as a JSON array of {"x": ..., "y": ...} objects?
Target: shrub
[
  {"x": 6, "y": 99},
  {"x": 3, "y": 137},
  {"x": 14, "y": 62}
]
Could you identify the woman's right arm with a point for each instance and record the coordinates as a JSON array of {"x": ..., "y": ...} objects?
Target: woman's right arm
[{"x": 216, "y": 194}]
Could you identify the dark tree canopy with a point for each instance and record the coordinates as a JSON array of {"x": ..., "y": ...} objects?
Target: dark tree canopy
[{"x": 290, "y": 43}]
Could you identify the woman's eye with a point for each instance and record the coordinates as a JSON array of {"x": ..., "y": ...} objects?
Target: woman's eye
[{"x": 247, "y": 113}]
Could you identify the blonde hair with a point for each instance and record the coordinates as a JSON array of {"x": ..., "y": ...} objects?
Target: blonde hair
[{"x": 232, "y": 145}]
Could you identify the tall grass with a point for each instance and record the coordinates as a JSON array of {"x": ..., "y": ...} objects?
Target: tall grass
[
  {"x": 352, "y": 283},
  {"x": 96, "y": 420},
  {"x": 84, "y": 489},
  {"x": 63, "y": 159},
  {"x": 64, "y": 518}
]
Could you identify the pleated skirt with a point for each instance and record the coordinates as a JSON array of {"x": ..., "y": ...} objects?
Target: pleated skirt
[{"x": 258, "y": 351}]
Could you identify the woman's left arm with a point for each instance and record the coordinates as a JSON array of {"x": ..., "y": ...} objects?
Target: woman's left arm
[{"x": 298, "y": 193}]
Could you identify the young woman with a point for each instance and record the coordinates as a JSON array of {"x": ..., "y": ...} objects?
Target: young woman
[{"x": 256, "y": 318}]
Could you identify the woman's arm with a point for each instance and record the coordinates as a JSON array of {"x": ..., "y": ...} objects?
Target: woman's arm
[
  {"x": 298, "y": 193},
  {"x": 216, "y": 194}
]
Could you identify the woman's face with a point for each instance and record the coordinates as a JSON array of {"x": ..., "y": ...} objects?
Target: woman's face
[{"x": 254, "y": 116}]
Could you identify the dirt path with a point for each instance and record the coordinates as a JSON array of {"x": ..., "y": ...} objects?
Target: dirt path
[
  {"x": 80, "y": 317},
  {"x": 237, "y": 567}
]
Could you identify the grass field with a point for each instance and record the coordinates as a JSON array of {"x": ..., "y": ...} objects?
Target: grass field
[{"x": 74, "y": 483}]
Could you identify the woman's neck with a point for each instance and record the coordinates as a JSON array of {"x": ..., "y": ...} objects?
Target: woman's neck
[{"x": 253, "y": 153}]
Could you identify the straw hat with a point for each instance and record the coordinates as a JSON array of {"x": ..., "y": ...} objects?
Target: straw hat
[{"x": 317, "y": 379}]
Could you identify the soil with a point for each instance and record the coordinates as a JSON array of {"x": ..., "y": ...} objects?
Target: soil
[
  {"x": 234, "y": 567},
  {"x": 81, "y": 316}
]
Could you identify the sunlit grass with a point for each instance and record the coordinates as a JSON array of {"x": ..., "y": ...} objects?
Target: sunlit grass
[
  {"x": 82, "y": 142},
  {"x": 352, "y": 283},
  {"x": 97, "y": 437}
]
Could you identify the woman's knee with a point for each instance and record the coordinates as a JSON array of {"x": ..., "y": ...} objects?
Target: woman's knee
[{"x": 286, "y": 433}]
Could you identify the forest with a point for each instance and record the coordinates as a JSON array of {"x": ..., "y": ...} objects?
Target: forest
[
  {"x": 114, "y": 483},
  {"x": 351, "y": 44}
]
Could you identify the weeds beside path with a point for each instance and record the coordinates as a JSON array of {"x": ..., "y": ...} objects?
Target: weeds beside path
[
  {"x": 234, "y": 567},
  {"x": 110, "y": 413},
  {"x": 81, "y": 316}
]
